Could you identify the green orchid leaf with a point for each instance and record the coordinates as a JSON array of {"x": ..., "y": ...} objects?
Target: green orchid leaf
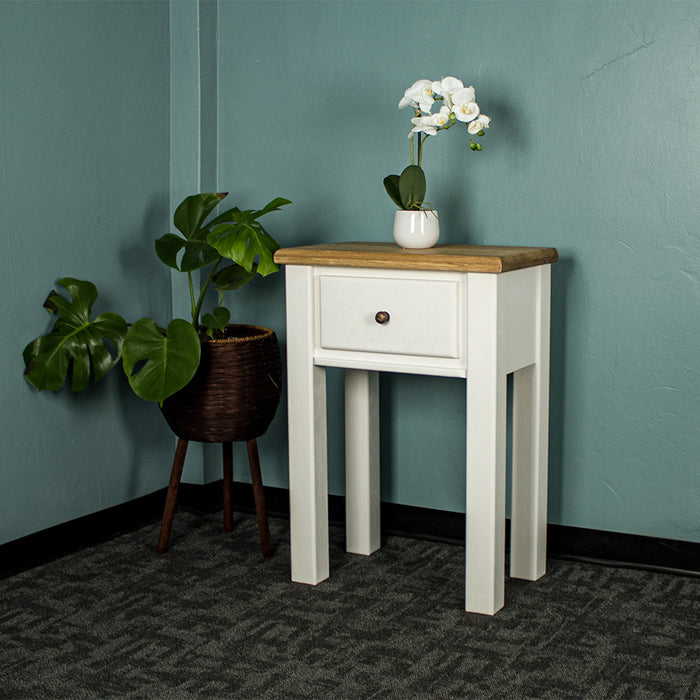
[
  {"x": 218, "y": 318},
  {"x": 412, "y": 187},
  {"x": 243, "y": 243},
  {"x": 193, "y": 211},
  {"x": 158, "y": 363},
  {"x": 391, "y": 185},
  {"x": 233, "y": 277},
  {"x": 76, "y": 342}
]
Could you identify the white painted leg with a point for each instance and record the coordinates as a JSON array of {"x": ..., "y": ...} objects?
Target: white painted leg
[
  {"x": 362, "y": 461},
  {"x": 308, "y": 472},
  {"x": 528, "y": 547},
  {"x": 486, "y": 450}
]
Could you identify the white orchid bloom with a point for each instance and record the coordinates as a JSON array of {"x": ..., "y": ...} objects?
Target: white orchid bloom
[
  {"x": 481, "y": 122},
  {"x": 460, "y": 99},
  {"x": 465, "y": 94},
  {"x": 420, "y": 95},
  {"x": 466, "y": 111},
  {"x": 446, "y": 87},
  {"x": 423, "y": 125},
  {"x": 442, "y": 117}
]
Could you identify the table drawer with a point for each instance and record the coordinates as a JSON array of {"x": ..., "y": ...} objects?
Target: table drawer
[{"x": 423, "y": 315}]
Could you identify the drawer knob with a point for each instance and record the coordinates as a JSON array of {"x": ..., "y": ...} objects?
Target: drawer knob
[{"x": 382, "y": 317}]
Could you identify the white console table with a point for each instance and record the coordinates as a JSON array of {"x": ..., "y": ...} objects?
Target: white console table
[{"x": 472, "y": 312}]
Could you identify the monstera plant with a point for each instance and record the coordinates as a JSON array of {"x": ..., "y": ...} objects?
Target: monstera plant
[{"x": 230, "y": 249}]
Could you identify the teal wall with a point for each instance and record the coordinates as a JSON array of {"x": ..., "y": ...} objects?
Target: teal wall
[
  {"x": 111, "y": 112},
  {"x": 84, "y": 186},
  {"x": 594, "y": 148}
]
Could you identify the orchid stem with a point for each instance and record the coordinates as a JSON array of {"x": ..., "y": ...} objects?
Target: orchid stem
[{"x": 420, "y": 149}]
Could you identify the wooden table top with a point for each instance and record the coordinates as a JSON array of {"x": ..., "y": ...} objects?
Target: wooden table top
[{"x": 454, "y": 258}]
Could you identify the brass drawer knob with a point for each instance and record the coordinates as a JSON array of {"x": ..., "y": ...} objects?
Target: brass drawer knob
[{"x": 382, "y": 317}]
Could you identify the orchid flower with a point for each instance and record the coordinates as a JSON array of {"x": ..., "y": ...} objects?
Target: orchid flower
[
  {"x": 479, "y": 124},
  {"x": 446, "y": 87},
  {"x": 458, "y": 105},
  {"x": 466, "y": 111},
  {"x": 423, "y": 125},
  {"x": 420, "y": 95},
  {"x": 441, "y": 118}
]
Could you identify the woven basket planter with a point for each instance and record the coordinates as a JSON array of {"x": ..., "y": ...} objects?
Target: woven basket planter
[{"x": 235, "y": 392}]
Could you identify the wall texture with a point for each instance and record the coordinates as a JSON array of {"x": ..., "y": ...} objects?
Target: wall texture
[
  {"x": 593, "y": 149},
  {"x": 84, "y": 168}
]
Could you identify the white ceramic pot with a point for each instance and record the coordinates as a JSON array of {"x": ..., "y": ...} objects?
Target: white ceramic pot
[{"x": 416, "y": 229}]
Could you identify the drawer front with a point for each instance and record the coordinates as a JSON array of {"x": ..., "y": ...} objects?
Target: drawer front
[{"x": 423, "y": 315}]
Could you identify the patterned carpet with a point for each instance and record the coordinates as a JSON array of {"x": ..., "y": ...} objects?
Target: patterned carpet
[{"x": 212, "y": 618}]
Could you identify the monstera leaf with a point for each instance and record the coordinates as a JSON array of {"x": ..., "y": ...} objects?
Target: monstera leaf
[
  {"x": 233, "y": 277},
  {"x": 75, "y": 342},
  {"x": 160, "y": 362},
  {"x": 216, "y": 320},
  {"x": 189, "y": 220},
  {"x": 239, "y": 236},
  {"x": 236, "y": 215}
]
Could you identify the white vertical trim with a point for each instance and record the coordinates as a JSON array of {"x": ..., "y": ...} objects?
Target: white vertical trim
[{"x": 185, "y": 157}]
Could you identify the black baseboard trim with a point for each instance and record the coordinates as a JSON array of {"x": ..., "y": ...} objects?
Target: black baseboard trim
[
  {"x": 57, "y": 541},
  {"x": 563, "y": 542}
]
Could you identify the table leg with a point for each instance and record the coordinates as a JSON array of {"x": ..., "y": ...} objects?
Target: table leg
[
  {"x": 486, "y": 450},
  {"x": 308, "y": 471},
  {"x": 528, "y": 530},
  {"x": 362, "y": 461}
]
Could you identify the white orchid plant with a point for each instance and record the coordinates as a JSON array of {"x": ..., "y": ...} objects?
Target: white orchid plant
[{"x": 457, "y": 105}]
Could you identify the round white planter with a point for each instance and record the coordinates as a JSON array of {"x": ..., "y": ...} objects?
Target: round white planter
[{"x": 416, "y": 229}]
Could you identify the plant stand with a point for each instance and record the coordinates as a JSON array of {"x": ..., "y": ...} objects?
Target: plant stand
[{"x": 259, "y": 496}]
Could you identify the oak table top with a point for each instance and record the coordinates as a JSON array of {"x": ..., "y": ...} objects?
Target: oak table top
[{"x": 454, "y": 258}]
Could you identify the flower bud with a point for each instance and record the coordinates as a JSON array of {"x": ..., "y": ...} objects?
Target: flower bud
[
  {"x": 480, "y": 133},
  {"x": 478, "y": 146},
  {"x": 472, "y": 145}
]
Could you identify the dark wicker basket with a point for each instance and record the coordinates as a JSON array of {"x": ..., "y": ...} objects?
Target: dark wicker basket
[{"x": 235, "y": 392}]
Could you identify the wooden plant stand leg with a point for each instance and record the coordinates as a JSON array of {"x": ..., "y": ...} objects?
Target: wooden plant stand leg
[
  {"x": 171, "y": 498},
  {"x": 254, "y": 461},
  {"x": 228, "y": 486}
]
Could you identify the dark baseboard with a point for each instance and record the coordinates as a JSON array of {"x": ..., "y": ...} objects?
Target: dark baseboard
[
  {"x": 66, "y": 538},
  {"x": 580, "y": 544}
]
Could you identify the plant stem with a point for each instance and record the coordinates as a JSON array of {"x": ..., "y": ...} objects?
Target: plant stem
[
  {"x": 410, "y": 143},
  {"x": 420, "y": 149},
  {"x": 198, "y": 308},
  {"x": 192, "y": 304}
]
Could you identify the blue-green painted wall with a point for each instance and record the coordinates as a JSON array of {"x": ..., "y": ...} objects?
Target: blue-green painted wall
[
  {"x": 84, "y": 186},
  {"x": 594, "y": 148}
]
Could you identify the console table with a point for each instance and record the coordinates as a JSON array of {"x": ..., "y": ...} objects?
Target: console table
[{"x": 472, "y": 312}]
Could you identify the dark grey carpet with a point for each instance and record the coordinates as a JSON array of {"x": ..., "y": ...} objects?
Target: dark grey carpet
[{"x": 212, "y": 618}]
